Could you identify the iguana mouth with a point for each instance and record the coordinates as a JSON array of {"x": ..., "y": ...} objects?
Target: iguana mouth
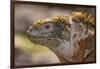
[{"x": 46, "y": 41}]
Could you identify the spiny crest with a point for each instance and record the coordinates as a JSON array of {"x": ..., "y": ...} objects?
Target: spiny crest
[{"x": 83, "y": 17}]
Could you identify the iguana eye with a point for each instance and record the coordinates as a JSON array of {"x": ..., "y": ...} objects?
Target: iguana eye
[{"x": 47, "y": 27}]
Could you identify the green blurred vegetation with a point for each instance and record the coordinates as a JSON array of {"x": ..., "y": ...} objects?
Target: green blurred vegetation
[{"x": 23, "y": 42}]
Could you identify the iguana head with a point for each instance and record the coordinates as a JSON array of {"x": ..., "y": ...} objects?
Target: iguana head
[{"x": 50, "y": 31}]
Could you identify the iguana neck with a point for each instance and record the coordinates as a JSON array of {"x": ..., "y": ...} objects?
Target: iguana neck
[{"x": 63, "y": 51}]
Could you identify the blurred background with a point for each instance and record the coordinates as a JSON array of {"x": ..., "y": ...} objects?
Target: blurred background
[{"x": 26, "y": 52}]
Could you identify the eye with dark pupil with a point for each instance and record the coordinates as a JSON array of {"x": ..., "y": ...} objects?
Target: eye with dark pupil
[{"x": 47, "y": 26}]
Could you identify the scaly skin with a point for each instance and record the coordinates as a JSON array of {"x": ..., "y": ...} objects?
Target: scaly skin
[
  {"x": 86, "y": 42},
  {"x": 74, "y": 29}
]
